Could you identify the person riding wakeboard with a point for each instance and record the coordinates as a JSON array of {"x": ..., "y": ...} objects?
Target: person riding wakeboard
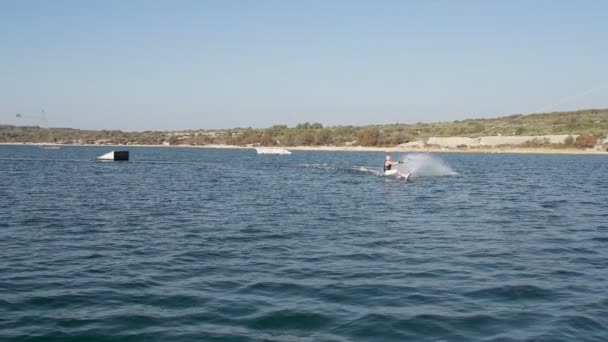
[{"x": 388, "y": 167}]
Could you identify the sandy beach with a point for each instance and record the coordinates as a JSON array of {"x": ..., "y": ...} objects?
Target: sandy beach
[
  {"x": 445, "y": 150},
  {"x": 361, "y": 148}
]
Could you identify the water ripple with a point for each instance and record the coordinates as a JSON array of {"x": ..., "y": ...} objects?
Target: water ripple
[{"x": 222, "y": 245}]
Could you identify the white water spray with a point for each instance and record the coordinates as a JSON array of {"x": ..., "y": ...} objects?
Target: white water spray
[{"x": 424, "y": 165}]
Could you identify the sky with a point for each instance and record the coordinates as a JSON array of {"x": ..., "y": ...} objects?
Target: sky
[{"x": 171, "y": 65}]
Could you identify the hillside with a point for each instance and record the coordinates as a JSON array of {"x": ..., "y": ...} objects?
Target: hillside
[{"x": 582, "y": 122}]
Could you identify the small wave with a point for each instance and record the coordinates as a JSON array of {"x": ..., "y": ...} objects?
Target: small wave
[
  {"x": 356, "y": 169},
  {"x": 290, "y": 319},
  {"x": 368, "y": 170},
  {"x": 272, "y": 289},
  {"x": 567, "y": 273},
  {"x": 375, "y": 325},
  {"x": 512, "y": 292},
  {"x": 415, "y": 328},
  {"x": 435, "y": 327},
  {"x": 323, "y": 166},
  {"x": 572, "y": 325},
  {"x": 373, "y": 294}
]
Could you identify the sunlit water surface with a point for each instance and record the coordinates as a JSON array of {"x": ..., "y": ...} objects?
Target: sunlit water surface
[{"x": 224, "y": 245}]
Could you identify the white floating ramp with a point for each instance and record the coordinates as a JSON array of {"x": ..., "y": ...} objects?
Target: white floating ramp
[
  {"x": 115, "y": 156},
  {"x": 50, "y": 147},
  {"x": 265, "y": 150}
]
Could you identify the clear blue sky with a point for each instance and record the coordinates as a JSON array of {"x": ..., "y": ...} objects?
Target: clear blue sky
[{"x": 138, "y": 65}]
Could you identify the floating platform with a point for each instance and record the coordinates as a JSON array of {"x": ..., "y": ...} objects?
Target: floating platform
[
  {"x": 50, "y": 147},
  {"x": 115, "y": 156},
  {"x": 264, "y": 150}
]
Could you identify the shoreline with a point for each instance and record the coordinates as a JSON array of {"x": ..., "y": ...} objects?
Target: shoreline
[
  {"x": 485, "y": 150},
  {"x": 491, "y": 150}
]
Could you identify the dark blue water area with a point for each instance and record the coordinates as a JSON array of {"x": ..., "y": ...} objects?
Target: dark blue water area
[{"x": 184, "y": 244}]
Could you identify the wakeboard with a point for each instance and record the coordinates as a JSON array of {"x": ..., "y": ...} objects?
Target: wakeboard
[{"x": 398, "y": 174}]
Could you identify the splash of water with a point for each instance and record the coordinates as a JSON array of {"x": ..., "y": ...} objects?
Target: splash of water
[{"x": 425, "y": 165}]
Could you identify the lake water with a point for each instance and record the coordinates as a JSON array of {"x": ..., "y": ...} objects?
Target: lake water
[{"x": 224, "y": 245}]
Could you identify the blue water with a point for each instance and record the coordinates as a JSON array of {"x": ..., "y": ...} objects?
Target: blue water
[{"x": 223, "y": 245}]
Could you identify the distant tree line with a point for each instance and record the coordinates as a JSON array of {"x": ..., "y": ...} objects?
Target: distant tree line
[{"x": 590, "y": 124}]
